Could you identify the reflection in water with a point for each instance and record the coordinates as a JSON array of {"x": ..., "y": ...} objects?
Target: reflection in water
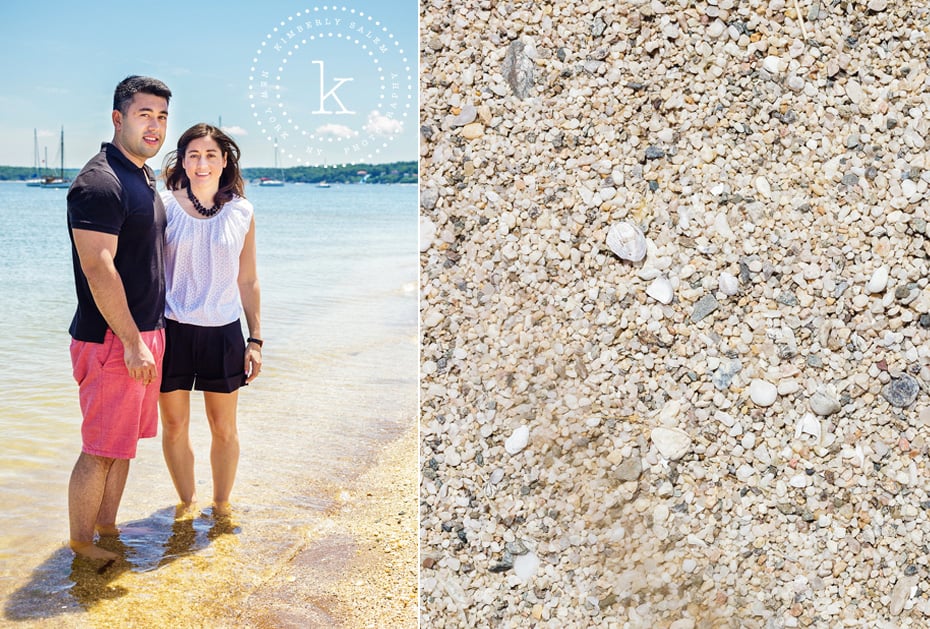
[{"x": 142, "y": 546}]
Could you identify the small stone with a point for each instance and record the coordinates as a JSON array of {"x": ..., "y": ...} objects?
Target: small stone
[
  {"x": 725, "y": 373},
  {"x": 850, "y": 179},
  {"x": 706, "y": 305},
  {"x": 762, "y": 393},
  {"x": 672, "y": 443},
  {"x": 525, "y": 566},
  {"x": 428, "y": 198},
  {"x": 654, "y": 152},
  {"x": 427, "y": 233},
  {"x": 464, "y": 117},
  {"x": 728, "y": 283},
  {"x": 823, "y": 404},
  {"x": 473, "y": 131},
  {"x": 773, "y": 65},
  {"x": 878, "y": 5},
  {"x": 901, "y": 391},
  {"x": 630, "y": 469},
  {"x": 901, "y": 593}
]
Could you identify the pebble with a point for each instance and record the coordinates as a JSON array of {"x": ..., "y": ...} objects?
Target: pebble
[
  {"x": 728, "y": 283},
  {"x": 704, "y": 307},
  {"x": 525, "y": 566},
  {"x": 672, "y": 443},
  {"x": 823, "y": 403},
  {"x": 901, "y": 391},
  {"x": 762, "y": 393}
]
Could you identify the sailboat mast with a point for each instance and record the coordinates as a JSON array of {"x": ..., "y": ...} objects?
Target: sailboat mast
[
  {"x": 62, "y": 173},
  {"x": 35, "y": 152}
]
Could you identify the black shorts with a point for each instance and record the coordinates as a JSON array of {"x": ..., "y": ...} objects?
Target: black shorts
[{"x": 203, "y": 358}]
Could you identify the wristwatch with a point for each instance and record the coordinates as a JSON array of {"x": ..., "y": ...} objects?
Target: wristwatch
[{"x": 258, "y": 342}]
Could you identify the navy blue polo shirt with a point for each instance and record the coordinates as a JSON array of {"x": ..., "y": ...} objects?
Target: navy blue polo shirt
[{"x": 114, "y": 196}]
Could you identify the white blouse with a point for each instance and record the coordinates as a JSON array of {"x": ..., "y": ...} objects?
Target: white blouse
[{"x": 202, "y": 262}]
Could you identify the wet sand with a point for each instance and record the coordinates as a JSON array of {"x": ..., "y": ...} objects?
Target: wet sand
[
  {"x": 353, "y": 566},
  {"x": 359, "y": 568}
]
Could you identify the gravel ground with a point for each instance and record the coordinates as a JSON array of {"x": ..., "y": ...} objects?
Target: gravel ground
[{"x": 674, "y": 314}]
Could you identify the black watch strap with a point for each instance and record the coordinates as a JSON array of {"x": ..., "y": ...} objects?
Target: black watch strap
[{"x": 258, "y": 342}]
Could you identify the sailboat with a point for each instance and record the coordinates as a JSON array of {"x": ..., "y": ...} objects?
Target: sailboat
[
  {"x": 36, "y": 180},
  {"x": 269, "y": 182},
  {"x": 59, "y": 181}
]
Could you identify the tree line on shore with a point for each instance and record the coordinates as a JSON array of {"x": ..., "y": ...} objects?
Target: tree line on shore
[{"x": 394, "y": 172}]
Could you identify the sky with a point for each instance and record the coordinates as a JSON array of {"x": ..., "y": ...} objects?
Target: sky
[{"x": 300, "y": 83}]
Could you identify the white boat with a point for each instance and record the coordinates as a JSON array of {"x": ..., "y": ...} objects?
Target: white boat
[
  {"x": 271, "y": 182},
  {"x": 59, "y": 181},
  {"x": 323, "y": 184}
]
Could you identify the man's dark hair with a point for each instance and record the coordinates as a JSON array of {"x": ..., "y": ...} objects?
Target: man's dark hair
[{"x": 134, "y": 84}]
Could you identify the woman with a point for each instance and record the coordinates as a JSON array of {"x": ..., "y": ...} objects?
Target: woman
[{"x": 211, "y": 278}]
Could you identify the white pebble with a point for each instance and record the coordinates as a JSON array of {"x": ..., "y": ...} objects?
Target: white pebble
[{"x": 762, "y": 393}]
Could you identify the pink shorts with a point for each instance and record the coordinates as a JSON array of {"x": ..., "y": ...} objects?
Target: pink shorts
[{"x": 117, "y": 410}]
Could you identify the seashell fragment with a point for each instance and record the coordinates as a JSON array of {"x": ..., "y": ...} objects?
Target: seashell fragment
[
  {"x": 661, "y": 290},
  {"x": 627, "y": 241},
  {"x": 518, "y": 440},
  {"x": 879, "y": 280},
  {"x": 808, "y": 425}
]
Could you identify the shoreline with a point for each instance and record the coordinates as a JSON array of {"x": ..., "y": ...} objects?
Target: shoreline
[{"x": 358, "y": 568}]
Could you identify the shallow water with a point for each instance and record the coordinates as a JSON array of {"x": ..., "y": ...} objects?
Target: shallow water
[{"x": 338, "y": 269}]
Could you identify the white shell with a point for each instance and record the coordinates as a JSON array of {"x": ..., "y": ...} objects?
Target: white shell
[
  {"x": 879, "y": 280},
  {"x": 627, "y": 241},
  {"x": 808, "y": 425},
  {"x": 518, "y": 440},
  {"x": 661, "y": 290}
]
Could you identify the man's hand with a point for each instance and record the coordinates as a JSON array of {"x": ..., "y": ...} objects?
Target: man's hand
[{"x": 140, "y": 362}]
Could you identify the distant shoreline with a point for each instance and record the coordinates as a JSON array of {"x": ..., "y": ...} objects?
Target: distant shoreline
[{"x": 393, "y": 172}]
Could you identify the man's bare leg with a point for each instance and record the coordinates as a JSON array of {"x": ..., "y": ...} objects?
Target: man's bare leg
[
  {"x": 224, "y": 448},
  {"x": 86, "y": 490},
  {"x": 112, "y": 494},
  {"x": 175, "y": 408}
]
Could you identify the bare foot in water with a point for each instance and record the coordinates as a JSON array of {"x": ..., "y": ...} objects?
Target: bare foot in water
[
  {"x": 87, "y": 549},
  {"x": 221, "y": 510},
  {"x": 106, "y": 530},
  {"x": 185, "y": 511}
]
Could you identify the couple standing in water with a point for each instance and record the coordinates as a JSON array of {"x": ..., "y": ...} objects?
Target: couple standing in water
[{"x": 161, "y": 283}]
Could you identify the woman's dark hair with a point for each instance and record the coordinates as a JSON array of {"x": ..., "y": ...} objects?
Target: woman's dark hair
[{"x": 231, "y": 183}]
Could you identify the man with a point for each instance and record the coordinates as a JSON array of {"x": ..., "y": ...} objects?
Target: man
[{"x": 116, "y": 222}]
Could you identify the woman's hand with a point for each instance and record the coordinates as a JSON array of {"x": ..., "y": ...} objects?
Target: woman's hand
[{"x": 253, "y": 361}]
